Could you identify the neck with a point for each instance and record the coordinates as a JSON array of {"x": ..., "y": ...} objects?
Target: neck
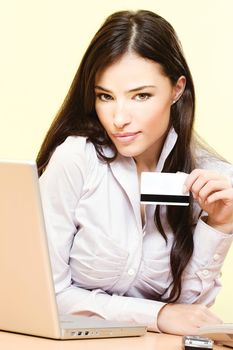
[
  {"x": 144, "y": 166},
  {"x": 147, "y": 161}
]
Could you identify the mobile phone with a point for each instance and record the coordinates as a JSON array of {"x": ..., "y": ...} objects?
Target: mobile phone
[{"x": 195, "y": 342}]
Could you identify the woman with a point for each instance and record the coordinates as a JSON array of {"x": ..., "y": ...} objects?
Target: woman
[{"x": 131, "y": 109}]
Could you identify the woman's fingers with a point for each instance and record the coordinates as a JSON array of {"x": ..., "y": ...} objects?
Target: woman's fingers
[
  {"x": 209, "y": 188},
  {"x": 224, "y": 195},
  {"x": 214, "y": 194},
  {"x": 200, "y": 177},
  {"x": 202, "y": 183}
]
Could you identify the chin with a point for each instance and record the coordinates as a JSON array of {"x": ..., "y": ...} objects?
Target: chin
[{"x": 129, "y": 153}]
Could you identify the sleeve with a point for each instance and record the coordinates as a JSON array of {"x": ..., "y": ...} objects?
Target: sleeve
[
  {"x": 61, "y": 188},
  {"x": 62, "y": 185},
  {"x": 201, "y": 280}
]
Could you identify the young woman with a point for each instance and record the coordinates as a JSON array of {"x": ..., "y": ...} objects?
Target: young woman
[{"x": 131, "y": 109}]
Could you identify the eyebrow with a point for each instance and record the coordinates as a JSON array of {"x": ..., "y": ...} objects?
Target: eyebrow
[{"x": 131, "y": 90}]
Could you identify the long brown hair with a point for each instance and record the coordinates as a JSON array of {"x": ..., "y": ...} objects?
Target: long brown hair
[{"x": 150, "y": 36}]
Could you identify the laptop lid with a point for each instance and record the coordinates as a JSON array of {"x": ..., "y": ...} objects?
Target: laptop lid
[
  {"x": 27, "y": 292},
  {"x": 27, "y": 295}
]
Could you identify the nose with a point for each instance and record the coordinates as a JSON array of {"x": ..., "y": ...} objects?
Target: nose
[{"x": 121, "y": 116}]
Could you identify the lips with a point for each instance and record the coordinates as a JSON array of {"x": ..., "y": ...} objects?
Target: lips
[{"x": 126, "y": 136}]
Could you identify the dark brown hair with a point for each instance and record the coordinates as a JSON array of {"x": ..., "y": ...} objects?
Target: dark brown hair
[{"x": 150, "y": 36}]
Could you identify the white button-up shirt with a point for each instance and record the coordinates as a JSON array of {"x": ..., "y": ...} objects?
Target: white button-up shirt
[{"x": 104, "y": 263}]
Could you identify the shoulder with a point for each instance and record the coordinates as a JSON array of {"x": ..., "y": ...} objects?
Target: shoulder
[
  {"x": 75, "y": 148},
  {"x": 74, "y": 154},
  {"x": 207, "y": 160}
]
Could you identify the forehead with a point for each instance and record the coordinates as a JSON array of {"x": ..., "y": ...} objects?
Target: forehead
[{"x": 131, "y": 68}]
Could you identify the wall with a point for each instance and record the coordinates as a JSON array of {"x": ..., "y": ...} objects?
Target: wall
[{"x": 42, "y": 42}]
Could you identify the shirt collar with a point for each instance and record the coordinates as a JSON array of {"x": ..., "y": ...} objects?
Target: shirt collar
[{"x": 167, "y": 148}]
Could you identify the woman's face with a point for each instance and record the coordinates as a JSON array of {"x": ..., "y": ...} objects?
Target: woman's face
[{"x": 133, "y": 101}]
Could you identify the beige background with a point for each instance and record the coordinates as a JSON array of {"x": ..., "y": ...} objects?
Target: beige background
[{"x": 42, "y": 42}]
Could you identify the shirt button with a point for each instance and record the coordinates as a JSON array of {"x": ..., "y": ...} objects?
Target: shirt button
[
  {"x": 205, "y": 272},
  {"x": 131, "y": 272},
  {"x": 216, "y": 257}
]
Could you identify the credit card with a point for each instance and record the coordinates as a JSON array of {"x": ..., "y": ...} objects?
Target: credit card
[{"x": 163, "y": 188}]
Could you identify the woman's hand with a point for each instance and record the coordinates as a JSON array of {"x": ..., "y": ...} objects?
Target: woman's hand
[
  {"x": 214, "y": 193},
  {"x": 185, "y": 319}
]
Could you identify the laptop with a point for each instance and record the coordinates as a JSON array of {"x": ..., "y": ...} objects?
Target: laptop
[{"x": 27, "y": 295}]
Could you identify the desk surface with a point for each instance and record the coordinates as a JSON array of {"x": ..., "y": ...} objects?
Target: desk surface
[{"x": 150, "y": 341}]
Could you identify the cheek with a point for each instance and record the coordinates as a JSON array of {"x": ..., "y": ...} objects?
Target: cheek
[
  {"x": 100, "y": 112},
  {"x": 97, "y": 109},
  {"x": 104, "y": 115},
  {"x": 157, "y": 123},
  {"x": 158, "y": 114}
]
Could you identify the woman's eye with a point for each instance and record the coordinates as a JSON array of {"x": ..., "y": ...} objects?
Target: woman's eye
[
  {"x": 142, "y": 96},
  {"x": 104, "y": 97}
]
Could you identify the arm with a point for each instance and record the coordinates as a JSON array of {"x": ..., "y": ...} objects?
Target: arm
[
  {"x": 212, "y": 239},
  {"x": 78, "y": 301},
  {"x": 201, "y": 280},
  {"x": 213, "y": 192},
  {"x": 62, "y": 186}
]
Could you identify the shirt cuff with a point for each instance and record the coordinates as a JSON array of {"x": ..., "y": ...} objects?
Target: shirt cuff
[{"x": 141, "y": 311}]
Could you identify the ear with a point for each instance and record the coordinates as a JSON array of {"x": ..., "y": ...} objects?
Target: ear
[{"x": 178, "y": 88}]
